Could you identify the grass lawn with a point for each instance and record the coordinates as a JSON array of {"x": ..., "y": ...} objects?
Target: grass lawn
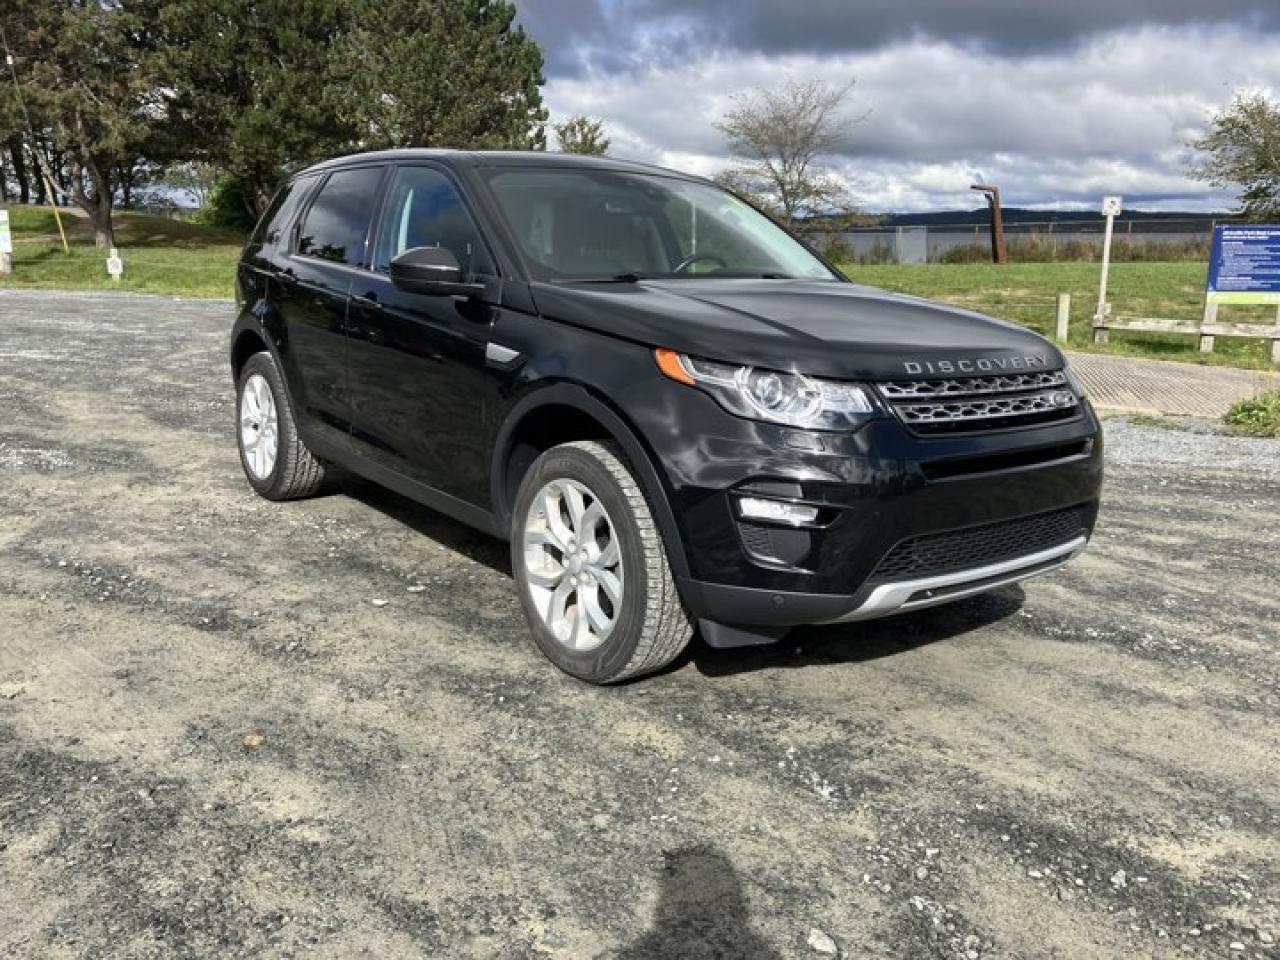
[
  {"x": 177, "y": 258},
  {"x": 170, "y": 257},
  {"x": 1027, "y": 293}
]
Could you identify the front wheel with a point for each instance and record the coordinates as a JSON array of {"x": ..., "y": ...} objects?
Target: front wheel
[{"x": 591, "y": 567}]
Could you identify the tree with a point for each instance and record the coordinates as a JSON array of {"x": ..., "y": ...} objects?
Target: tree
[
  {"x": 442, "y": 73},
  {"x": 1243, "y": 150},
  {"x": 86, "y": 74},
  {"x": 582, "y": 134},
  {"x": 270, "y": 85},
  {"x": 779, "y": 137},
  {"x": 254, "y": 85}
]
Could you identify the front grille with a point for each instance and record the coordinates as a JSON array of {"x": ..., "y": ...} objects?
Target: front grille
[
  {"x": 969, "y": 404},
  {"x": 974, "y": 547}
]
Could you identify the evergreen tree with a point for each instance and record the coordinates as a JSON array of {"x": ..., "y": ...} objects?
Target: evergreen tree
[
  {"x": 255, "y": 90},
  {"x": 442, "y": 73}
]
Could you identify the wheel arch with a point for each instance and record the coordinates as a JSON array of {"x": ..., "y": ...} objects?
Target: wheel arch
[
  {"x": 247, "y": 341},
  {"x": 563, "y": 412}
]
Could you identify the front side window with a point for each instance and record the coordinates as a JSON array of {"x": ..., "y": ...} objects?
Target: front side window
[
  {"x": 594, "y": 224},
  {"x": 336, "y": 225},
  {"x": 424, "y": 209}
]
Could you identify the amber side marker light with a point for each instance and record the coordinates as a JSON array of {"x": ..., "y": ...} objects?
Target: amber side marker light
[{"x": 669, "y": 363}]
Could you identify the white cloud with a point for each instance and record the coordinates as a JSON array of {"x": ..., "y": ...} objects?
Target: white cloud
[{"x": 1059, "y": 128}]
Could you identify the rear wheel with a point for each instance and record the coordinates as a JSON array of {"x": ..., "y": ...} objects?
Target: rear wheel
[
  {"x": 276, "y": 462},
  {"x": 592, "y": 568}
]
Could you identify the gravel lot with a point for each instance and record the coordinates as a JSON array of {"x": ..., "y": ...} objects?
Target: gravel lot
[{"x": 216, "y": 740}]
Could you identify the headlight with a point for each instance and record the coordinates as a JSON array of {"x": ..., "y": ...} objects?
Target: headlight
[{"x": 789, "y": 398}]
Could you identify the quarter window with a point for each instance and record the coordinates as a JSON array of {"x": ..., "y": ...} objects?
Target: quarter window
[
  {"x": 424, "y": 209},
  {"x": 271, "y": 227},
  {"x": 337, "y": 223}
]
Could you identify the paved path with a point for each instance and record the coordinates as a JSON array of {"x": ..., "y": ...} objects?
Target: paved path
[{"x": 1161, "y": 386}]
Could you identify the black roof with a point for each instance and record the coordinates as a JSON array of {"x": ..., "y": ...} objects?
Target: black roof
[{"x": 501, "y": 158}]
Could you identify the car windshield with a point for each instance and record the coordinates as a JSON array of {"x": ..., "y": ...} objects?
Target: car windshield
[{"x": 592, "y": 225}]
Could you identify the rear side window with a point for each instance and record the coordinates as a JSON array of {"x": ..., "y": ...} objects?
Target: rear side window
[
  {"x": 335, "y": 226},
  {"x": 424, "y": 209}
]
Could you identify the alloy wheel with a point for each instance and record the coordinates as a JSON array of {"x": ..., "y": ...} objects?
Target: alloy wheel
[{"x": 573, "y": 564}]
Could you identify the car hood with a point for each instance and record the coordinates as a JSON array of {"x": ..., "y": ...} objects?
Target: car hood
[{"x": 821, "y": 328}]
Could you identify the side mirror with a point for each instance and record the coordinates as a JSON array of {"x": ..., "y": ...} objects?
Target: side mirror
[{"x": 432, "y": 271}]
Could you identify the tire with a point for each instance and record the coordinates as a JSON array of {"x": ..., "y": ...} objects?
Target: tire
[
  {"x": 293, "y": 472},
  {"x": 649, "y": 624}
]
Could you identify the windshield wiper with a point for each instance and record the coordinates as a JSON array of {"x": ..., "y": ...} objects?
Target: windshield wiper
[{"x": 616, "y": 278}]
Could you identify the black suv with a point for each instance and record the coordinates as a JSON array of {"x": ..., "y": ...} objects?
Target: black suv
[{"x": 678, "y": 414}]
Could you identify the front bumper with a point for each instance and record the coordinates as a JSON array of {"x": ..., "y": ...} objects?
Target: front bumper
[
  {"x": 876, "y": 490},
  {"x": 748, "y": 606}
]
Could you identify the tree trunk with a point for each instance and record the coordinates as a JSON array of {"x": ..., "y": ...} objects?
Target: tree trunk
[
  {"x": 104, "y": 230},
  {"x": 20, "y": 169},
  {"x": 95, "y": 197}
]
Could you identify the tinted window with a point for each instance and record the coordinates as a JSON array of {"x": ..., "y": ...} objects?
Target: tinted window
[
  {"x": 280, "y": 213},
  {"x": 424, "y": 209},
  {"x": 336, "y": 224}
]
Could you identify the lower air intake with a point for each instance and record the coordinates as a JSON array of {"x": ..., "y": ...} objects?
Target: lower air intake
[{"x": 981, "y": 546}]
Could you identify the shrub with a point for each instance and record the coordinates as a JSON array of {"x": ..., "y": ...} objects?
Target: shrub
[
  {"x": 228, "y": 207},
  {"x": 834, "y": 247},
  {"x": 1044, "y": 248},
  {"x": 1258, "y": 416}
]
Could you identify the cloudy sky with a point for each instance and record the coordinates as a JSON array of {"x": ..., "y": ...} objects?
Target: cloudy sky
[{"x": 1059, "y": 101}]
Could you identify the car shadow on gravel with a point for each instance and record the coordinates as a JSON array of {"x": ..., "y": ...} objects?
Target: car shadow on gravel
[
  {"x": 449, "y": 533},
  {"x": 859, "y": 642}
]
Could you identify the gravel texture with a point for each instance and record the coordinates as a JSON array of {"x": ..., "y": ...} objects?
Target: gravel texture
[{"x": 233, "y": 728}]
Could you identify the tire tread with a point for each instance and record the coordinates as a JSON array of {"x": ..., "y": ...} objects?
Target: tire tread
[
  {"x": 300, "y": 473},
  {"x": 666, "y": 629}
]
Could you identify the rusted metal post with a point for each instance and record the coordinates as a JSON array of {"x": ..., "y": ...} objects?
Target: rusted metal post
[{"x": 999, "y": 254}]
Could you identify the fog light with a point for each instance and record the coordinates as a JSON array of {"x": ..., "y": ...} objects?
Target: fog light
[{"x": 754, "y": 508}]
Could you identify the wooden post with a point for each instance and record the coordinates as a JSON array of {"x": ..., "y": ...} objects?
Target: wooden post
[
  {"x": 1106, "y": 267},
  {"x": 1064, "y": 317},
  {"x": 1275, "y": 344},
  {"x": 1210, "y": 316},
  {"x": 6, "y": 243}
]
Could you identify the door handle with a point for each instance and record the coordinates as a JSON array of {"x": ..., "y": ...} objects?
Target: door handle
[{"x": 367, "y": 300}]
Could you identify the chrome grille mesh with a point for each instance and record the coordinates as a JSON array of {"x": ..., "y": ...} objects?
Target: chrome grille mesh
[
  {"x": 967, "y": 386},
  {"x": 981, "y": 403}
]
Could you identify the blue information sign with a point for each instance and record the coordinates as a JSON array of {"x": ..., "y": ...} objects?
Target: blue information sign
[{"x": 1245, "y": 265}]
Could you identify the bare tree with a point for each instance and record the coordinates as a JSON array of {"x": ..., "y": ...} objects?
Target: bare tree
[
  {"x": 1242, "y": 148},
  {"x": 780, "y": 137},
  {"x": 582, "y": 135}
]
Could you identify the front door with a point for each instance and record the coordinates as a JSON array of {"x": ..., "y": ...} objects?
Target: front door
[{"x": 421, "y": 395}]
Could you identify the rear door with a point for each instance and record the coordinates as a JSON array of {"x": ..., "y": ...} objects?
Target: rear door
[
  {"x": 330, "y": 243},
  {"x": 420, "y": 391}
]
